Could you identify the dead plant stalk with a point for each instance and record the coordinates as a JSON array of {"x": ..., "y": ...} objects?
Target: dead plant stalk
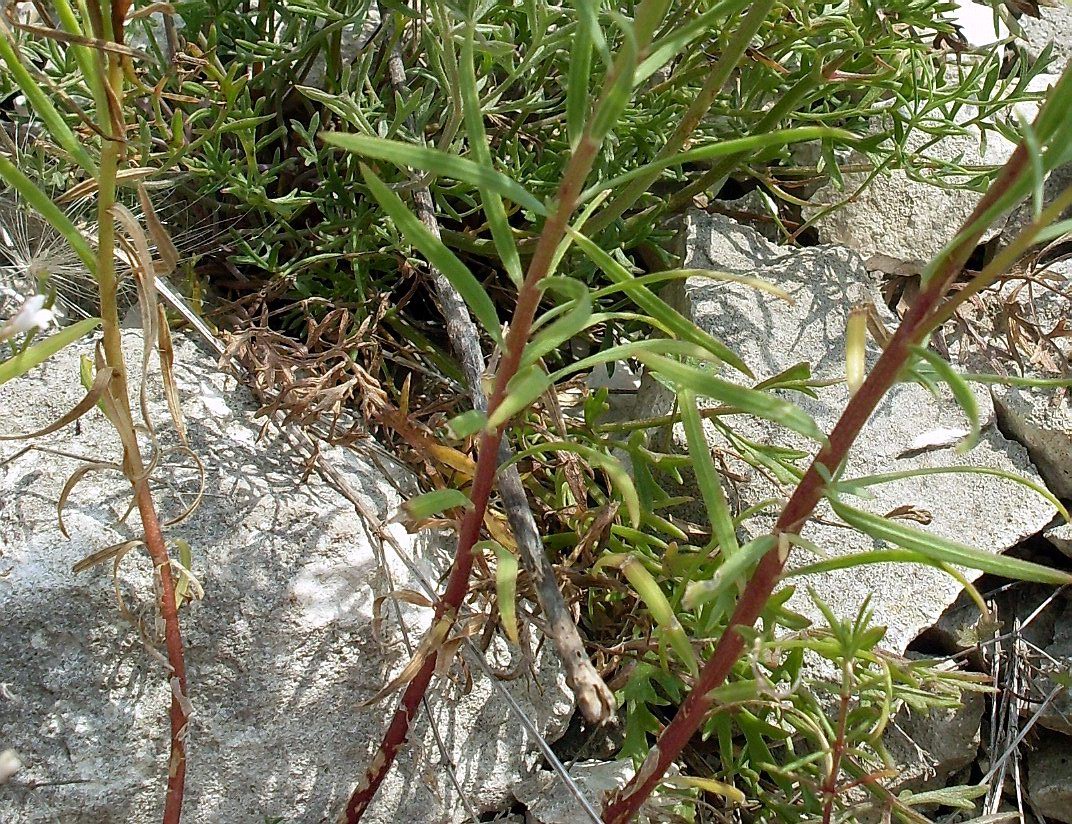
[{"x": 111, "y": 122}]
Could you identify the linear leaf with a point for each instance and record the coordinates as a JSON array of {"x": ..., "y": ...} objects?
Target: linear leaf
[
  {"x": 578, "y": 75},
  {"x": 961, "y": 392},
  {"x": 655, "y": 306},
  {"x": 39, "y": 352},
  {"x": 522, "y": 391},
  {"x": 615, "y": 469},
  {"x": 436, "y": 162},
  {"x": 939, "y": 549},
  {"x": 494, "y": 210},
  {"x": 887, "y": 477},
  {"x": 437, "y": 254},
  {"x": 649, "y": 592},
  {"x": 577, "y": 314},
  {"x": 751, "y": 401},
  {"x": 435, "y": 502},
  {"x": 726, "y": 148},
  {"x": 733, "y": 569},
  {"x": 718, "y": 511}
]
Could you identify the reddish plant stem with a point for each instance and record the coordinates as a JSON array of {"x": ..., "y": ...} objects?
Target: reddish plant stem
[
  {"x": 830, "y": 788},
  {"x": 528, "y": 301},
  {"x": 154, "y": 542},
  {"x": 625, "y": 804}
]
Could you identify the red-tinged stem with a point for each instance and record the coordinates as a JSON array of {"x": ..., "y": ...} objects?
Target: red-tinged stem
[
  {"x": 154, "y": 542},
  {"x": 830, "y": 788},
  {"x": 625, "y": 804},
  {"x": 528, "y": 301}
]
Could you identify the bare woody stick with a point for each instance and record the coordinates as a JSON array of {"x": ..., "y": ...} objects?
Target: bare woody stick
[{"x": 594, "y": 698}]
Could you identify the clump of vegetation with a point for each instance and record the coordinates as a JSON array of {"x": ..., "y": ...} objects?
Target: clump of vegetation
[{"x": 379, "y": 167}]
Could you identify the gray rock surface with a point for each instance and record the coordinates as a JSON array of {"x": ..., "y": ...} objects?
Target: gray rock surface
[
  {"x": 901, "y": 218},
  {"x": 1061, "y": 537},
  {"x": 770, "y": 335},
  {"x": 1041, "y": 420},
  {"x": 547, "y": 802},
  {"x": 1049, "y": 778},
  {"x": 1054, "y": 26},
  {"x": 281, "y": 651},
  {"x": 930, "y": 747}
]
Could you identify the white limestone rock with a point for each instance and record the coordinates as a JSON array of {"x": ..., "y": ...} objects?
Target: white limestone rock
[
  {"x": 281, "y": 652},
  {"x": 770, "y": 335}
]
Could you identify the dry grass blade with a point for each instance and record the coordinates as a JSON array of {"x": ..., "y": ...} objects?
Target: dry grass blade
[{"x": 97, "y": 391}]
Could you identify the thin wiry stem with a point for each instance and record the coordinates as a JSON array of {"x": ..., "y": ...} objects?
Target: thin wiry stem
[
  {"x": 692, "y": 713},
  {"x": 594, "y": 698},
  {"x": 111, "y": 122}
]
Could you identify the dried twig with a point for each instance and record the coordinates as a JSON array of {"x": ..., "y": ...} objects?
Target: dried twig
[{"x": 594, "y": 699}]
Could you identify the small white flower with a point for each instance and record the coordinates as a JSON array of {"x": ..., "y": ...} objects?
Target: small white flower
[{"x": 31, "y": 315}]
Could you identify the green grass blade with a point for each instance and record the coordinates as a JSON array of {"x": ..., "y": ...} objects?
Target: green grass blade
[
  {"x": 734, "y": 568},
  {"x": 437, "y": 254},
  {"x": 506, "y": 569},
  {"x": 750, "y": 401},
  {"x": 726, "y": 148},
  {"x": 433, "y": 503},
  {"x": 615, "y": 469},
  {"x": 577, "y": 78},
  {"x": 438, "y": 163},
  {"x": 718, "y": 511},
  {"x": 939, "y": 549},
  {"x": 961, "y": 392},
  {"x": 648, "y": 591},
  {"x": 42, "y": 106},
  {"x": 521, "y": 392},
  {"x": 494, "y": 210},
  {"x": 38, "y": 353},
  {"x": 651, "y": 303},
  {"x": 576, "y": 317},
  {"x": 887, "y": 477}
]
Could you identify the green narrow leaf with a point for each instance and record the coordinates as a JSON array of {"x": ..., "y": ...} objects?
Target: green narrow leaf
[
  {"x": 726, "y": 148},
  {"x": 751, "y": 401},
  {"x": 435, "y": 502},
  {"x": 38, "y": 353},
  {"x": 651, "y": 303},
  {"x": 1015, "y": 380},
  {"x": 466, "y": 424},
  {"x": 577, "y": 78},
  {"x": 575, "y": 319},
  {"x": 436, "y": 162},
  {"x": 733, "y": 570},
  {"x": 42, "y": 106},
  {"x": 666, "y": 48},
  {"x": 961, "y": 392},
  {"x": 936, "y": 548},
  {"x": 506, "y": 569},
  {"x": 886, "y": 477},
  {"x": 616, "y": 96},
  {"x": 501, "y": 234},
  {"x": 707, "y": 478},
  {"x": 521, "y": 392},
  {"x": 648, "y": 591},
  {"x": 437, "y": 254}
]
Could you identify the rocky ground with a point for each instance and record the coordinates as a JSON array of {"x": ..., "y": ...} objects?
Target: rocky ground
[{"x": 297, "y": 633}]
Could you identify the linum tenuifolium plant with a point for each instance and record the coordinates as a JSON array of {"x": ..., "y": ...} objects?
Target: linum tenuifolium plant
[
  {"x": 565, "y": 136},
  {"x": 729, "y": 587}
]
